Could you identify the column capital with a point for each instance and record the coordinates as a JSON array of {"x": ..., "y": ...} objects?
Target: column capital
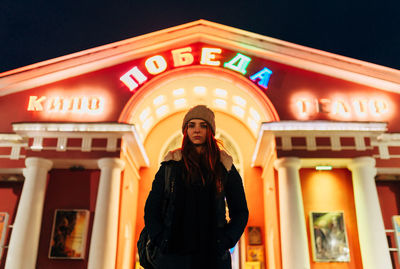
[
  {"x": 293, "y": 162},
  {"x": 110, "y": 163},
  {"x": 364, "y": 161},
  {"x": 40, "y": 162}
]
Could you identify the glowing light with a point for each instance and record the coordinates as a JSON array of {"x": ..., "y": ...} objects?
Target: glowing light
[
  {"x": 182, "y": 56},
  {"x": 162, "y": 111},
  {"x": 239, "y": 100},
  {"x": 159, "y": 100},
  {"x": 96, "y": 105},
  {"x": 179, "y": 103},
  {"x": 221, "y": 92},
  {"x": 200, "y": 90},
  {"x": 341, "y": 107},
  {"x": 35, "y": 104},
  {"x": 323, "y": 167},
  {"x": 253, "y": 125},
  {"x": 156, "y": 64},
  {"x": 303, "y": 106},
  {"x": 378, "y": 107},
  {"x": 238, "y": 111},
  {"x": 238, "y": 63},
  {"x": 133, "y": 78},
  {"x": 77, "y": 104},
  {"x": 361, "y": 106},
  {"x": 147, "y": 124},
  {"x": 178, "y": 92},
  {"x": 208, "y": 56},
  {"x": 220, "y": 103},
  {"x": 324, "y": 105},
  {"x": 263, "y": 77},
  {"x": 186, "y": 56},
  {"x": 58, "y": 104},
  {"x": 145, "y": 113},
  {"x": 61, "y": 143},
  {"x": 255, "y": 114}
]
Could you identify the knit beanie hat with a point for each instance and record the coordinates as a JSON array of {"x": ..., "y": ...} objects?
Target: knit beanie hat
[{"x": 200, "y": 112}]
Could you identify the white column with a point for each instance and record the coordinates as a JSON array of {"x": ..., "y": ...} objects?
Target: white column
[
  {"x": 294, "y": 244},
  {"x": 371, "y": 230},
  {"x": 24, "y": 241},
  {"x": 103, "y": 245}
]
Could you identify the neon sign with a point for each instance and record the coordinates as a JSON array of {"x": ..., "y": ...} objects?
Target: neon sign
[
  {"x": 341, "y": 108},
  {"x": 57, "y": 104},
  {"x": 157, "y": 64}
]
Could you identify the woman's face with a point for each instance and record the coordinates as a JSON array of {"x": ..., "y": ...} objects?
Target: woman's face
[{"x": 197, "y": 131}]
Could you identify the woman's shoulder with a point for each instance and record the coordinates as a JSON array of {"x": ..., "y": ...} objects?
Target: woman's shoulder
[
  {"x": 173, "y": 155},
  {"x": 172, "y": 159},
  {"x": 226, "y": 160}
]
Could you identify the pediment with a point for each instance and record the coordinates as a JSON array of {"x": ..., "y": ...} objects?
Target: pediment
[{"x": 206, "y": 32}]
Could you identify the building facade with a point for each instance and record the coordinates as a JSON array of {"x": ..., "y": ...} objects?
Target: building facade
[{"x": 315, "y": 136}]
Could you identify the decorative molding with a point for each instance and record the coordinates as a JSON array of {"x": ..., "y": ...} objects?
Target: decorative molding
[
  {"x": 369, "y": 136},
  {"x": 40, "y": 137},
  {"x": 323, "y": 126}
]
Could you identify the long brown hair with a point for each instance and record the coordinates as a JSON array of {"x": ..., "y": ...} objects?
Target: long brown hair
[{"x": 211, "y": 159}]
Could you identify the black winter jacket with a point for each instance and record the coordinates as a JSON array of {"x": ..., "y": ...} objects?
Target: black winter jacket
[{"x": 228, "y": 232}]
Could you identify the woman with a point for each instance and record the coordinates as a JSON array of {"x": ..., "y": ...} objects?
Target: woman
[{"x": 199, "y": 236}]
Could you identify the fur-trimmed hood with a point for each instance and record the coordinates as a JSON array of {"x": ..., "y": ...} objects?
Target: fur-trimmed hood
[{"x": 176, "y": 155}]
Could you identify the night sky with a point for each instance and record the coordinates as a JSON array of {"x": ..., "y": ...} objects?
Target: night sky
[{"x": 34, "y": 31}]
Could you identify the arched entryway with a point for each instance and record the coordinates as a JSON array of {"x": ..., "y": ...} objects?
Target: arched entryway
[{"x": 157, "y": 111}]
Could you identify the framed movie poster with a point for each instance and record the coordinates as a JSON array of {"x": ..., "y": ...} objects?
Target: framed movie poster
[
  {"x": 254, "y": 235},
  {"x": 3, "y": 231},
  {"x": 329, "y": 237},
  {"x": 68, "y": 236},
  {"x": 256, "y": 254}
]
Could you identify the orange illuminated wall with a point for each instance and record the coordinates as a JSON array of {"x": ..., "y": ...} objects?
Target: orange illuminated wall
[
  {"x": 127, "y": 220},
  {"x": 389, "y": 198},
  {"x": 271, "y": 202},
  {"x": 331, "y": 191}
]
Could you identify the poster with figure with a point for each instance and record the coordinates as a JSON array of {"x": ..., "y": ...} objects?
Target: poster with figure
[
  {"x": 68, "y": 237},
  {"x": 3, "y": 231},
  {"x": 329, "y": 237},
  {"x": 254, "y": 235}
]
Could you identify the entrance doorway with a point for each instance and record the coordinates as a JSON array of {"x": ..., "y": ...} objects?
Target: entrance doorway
[{"x": 158, "y": 109}]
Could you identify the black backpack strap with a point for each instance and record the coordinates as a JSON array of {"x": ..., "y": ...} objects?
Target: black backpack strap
[
  {"x": 168, "y": 204},
  {"x": 167, "y": 180}
]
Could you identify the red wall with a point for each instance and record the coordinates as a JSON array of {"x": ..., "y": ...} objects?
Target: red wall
[
  {"x": 332, "y": 191},
  {"x": 9, "y": 198},
  {"x": 67, "y": 190},
  {"x": 389, "y": 198}
]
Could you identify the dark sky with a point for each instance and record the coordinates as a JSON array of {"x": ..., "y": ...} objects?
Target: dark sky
[{"x": 33, "y": 31}]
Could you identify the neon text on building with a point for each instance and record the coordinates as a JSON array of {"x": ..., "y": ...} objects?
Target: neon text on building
[
  {"x": 58, "y": 104},
  {"x": 157, "y": 64},
  {"x": 341, "y": 108}
]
